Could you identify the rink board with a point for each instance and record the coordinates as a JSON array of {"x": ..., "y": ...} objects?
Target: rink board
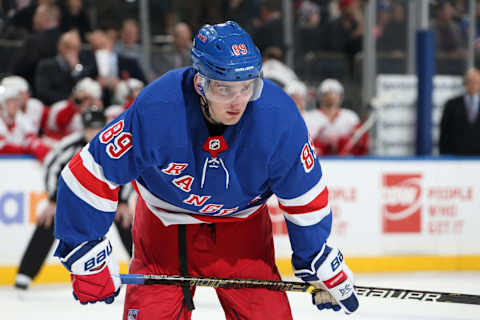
[{"x": 389, "y": 215}]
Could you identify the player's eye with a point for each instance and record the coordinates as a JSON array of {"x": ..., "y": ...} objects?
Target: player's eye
[
  {"x": 247, "y": 87},
  {"x": 225, "y": 91}
]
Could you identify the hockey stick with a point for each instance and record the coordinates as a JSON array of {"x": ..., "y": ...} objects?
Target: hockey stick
[
  {"x": 360, "y": 131},
  {"x": 402, "y": 294}
]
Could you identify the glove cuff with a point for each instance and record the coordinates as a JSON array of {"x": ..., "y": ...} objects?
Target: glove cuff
[
  {"x": 311, "y": 274},
  {"x": 89, "y": 257}
]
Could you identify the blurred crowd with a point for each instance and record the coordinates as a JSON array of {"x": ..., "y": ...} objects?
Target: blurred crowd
[{"x": 74, "y": 54}]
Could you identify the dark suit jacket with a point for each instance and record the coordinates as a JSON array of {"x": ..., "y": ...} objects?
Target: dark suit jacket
[
  {"x": 38, "y": 46},
  {"x": 457, "y": 135},
  {"x": 130, "y": 68},
  {"x": 55, "y": 80}
]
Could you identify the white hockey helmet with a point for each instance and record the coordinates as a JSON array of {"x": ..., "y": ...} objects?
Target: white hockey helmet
[
  {"x": 329, "y": 85},
  {"x": 16, "y": 82},
  {"x": 90, "y": 86},
  {"x": 125, "y": 88},
  {"x": 113, "y": 111},
  {"x": 7, "y": 93},
  {"x": 296, "y": 87}
]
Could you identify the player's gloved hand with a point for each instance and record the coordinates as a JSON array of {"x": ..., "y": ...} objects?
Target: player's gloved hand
[
  {"x": 94, "y": 274},
  {"x": 335, "y": 278}
]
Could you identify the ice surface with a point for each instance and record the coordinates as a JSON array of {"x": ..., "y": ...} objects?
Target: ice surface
[{"x": 42, "y": 302}]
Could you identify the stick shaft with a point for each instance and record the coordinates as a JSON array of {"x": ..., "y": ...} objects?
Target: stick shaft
[
  {"x": 216, "y": 282},
  {"x": 377, "y": 292}
]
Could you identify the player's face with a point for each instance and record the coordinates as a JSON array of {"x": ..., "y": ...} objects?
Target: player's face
[
  {"x": 228, "y": 100},
  {"x": 331, "y": 99},
  {"x": 12, "y": 106},
  {"x": 472, "y": 82}
]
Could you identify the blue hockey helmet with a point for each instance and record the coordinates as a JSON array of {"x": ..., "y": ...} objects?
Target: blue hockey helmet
[{"x": 226, "y": 52}]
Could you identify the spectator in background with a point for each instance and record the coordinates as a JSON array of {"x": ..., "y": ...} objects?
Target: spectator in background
[
  {"x": 33, "y": 109},
  {"x": 112, "y": 67},
  {"x": 448, "y": 35},
  {"x": 310, "y": 37},
  {"x": 127, "y": 44},
  {"x": 297, "y": 90},
  {"x": 64, "y": 116},
  {"x": 176, "y": 56},
  {"x": 55, "y": 77},
  {"x": 22, "y": 22},
  {"x": 384, "y": 16},
  {"x": 270, "y": 32},
  {"x": 41, "y": 45},
  {"x": 17, "y": 134},
  {"x": 331, "y": 126},
  {"x": 244, "y": 12},
  {"x": 74, "y": 16},
  {"x": 460, "y": 124},
  {"x": 345, "y": 33},
  {"x": 42, "y": 238},
  {"x": 465, "y": 25},
  {"x": 393, "y": 38},
  {"x": 199, "y": 12}
]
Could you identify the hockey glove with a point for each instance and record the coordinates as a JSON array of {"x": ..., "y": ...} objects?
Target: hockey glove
[
  {"x": 333, "y": 276},
  {"x": 94, "y": 274}
]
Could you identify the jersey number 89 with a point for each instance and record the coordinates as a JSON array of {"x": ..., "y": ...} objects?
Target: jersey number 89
[{"x": 122, "y": 141}]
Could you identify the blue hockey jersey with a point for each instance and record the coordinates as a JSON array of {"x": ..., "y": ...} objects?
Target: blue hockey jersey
[{"x": 185, "y": 176}]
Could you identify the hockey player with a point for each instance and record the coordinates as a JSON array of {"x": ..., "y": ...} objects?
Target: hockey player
[
  {"x": 331, "y": 126},
  {"x": 126, "y": 92},
  {"x": 297, "y": 90},
  {"x": 32, "y": 108},
  {"x": 207, "y": 146},
  {"x": 42, "y": 238},
  {"x": 64, "y": 116},
  {"x": 17, "y": 133}
]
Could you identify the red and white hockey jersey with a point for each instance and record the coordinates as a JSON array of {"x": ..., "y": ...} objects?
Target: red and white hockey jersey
[
  {"x": 329, "y": 136},
  {"x": 35, "y": 111},
  {"x": 63, "y": 119},
  {"x": 15, "y": 137}
]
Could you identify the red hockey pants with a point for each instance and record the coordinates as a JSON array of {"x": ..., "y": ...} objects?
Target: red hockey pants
[{"x": 224, "y": 250}]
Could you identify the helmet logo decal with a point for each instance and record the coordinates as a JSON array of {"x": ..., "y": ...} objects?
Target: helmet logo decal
[
  {"x": 202, "y": 38},
  {"x": 239, "y": 49},
  {"x": 243, "y": 69}
]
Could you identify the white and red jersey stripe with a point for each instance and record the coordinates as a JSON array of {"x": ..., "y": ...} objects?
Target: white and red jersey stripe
[
  {"x": 309, "y": 208},
  {"x": 86, "y": 180}
]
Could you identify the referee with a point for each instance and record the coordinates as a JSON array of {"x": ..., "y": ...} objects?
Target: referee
[{"x": 93, "y": 120}]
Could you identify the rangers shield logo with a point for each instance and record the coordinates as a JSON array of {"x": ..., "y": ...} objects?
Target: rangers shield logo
[{"x": 132, "y": 314}]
